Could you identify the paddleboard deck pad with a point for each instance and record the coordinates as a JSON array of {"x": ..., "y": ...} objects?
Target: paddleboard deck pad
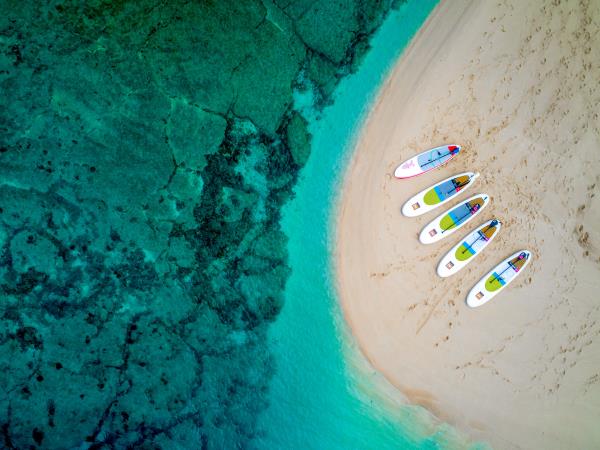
[
  {"x": 498, "y": 278},
  {"x": 468, "y": 248},
  {"x": 447, "y": 223},
  {"x": 438, "y": 194},
  {"x": 426, "y": 161}
]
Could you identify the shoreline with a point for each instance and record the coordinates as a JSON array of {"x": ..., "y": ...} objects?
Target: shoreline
[
  {"x": 472, "y": 385},
  {"x": 351, "y": 340},
  {"x": 417, "y": 397},
  {"x": 339, "y": 399}
]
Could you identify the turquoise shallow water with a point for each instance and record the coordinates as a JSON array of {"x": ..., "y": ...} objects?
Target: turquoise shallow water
[
  {"x": 146, "y": 150},
  {"x": 323, "y": 394},
  {"x": 145, "y": 154}
]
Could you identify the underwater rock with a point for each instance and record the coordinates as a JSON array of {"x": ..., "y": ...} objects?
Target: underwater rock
[
  {"x": 146, "y": 150},
  {"x": 340, "y": 21},
  {"x": 323, "y": 74},
  {"x": 193, "y": 133},
  {"x": 30, "y": 250},
  {"x": 298, "y": 138},
  {"x": 233, "y": 203}
]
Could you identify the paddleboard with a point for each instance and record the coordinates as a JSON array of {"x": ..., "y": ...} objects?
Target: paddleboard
[
  {"x": 447, "y": 223},
  {"x": 498, "y": 278},
  {"x": 468, "y": 248},
  {"x": 426, "y": 161},
  {"x": 438, "y": 194}
]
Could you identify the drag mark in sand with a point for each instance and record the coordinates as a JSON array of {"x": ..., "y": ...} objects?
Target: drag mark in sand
[{"x": 432, "y": 309}]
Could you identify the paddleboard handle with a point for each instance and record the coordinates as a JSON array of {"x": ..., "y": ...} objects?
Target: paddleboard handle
[
  {"x": 493, "y": 223},
  {"x": 522, "y": 255},
  {"x": 472, "y": 210}
]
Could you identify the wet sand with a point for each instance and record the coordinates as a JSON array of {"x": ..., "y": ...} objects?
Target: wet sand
[{"x": 515, "y": 83}]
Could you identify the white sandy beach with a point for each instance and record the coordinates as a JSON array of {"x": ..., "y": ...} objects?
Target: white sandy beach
[{"x": 517, "y": 84}]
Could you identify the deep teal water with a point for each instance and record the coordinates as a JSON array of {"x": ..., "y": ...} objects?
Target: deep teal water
[
  {"x": 146, "y": 151},
  {"x": 323, "y": 394}
]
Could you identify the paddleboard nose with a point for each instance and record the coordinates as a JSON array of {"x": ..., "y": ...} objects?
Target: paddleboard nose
[{"x": 475, "y": 176}]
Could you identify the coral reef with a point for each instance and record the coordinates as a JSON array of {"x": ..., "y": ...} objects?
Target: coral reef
[{"x": 146, "y": 149}]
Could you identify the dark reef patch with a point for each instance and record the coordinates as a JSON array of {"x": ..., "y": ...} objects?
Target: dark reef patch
[{"x": 146, "y": 149}]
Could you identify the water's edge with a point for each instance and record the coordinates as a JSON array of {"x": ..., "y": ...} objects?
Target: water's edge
[
  {"x": 324, "y": 393},
  {"x": 146, "y": 150}
]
